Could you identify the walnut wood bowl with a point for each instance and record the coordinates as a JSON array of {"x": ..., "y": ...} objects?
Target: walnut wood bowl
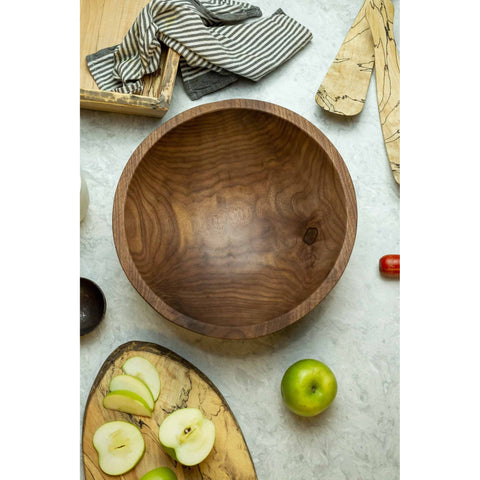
[{"x": 234, "y": 219}]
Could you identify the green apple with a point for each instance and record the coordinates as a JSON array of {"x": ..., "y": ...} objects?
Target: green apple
[
  {"x": 119, "y": 445},
  {"x": 308, "y": 387},
  {"x": 160, "y": 473},
  {"x": 134, "y": 385},
  {"x": 128, "y": 402},
  {"x": 141, "y": 368},
  {"x": 187, "y": 436}
]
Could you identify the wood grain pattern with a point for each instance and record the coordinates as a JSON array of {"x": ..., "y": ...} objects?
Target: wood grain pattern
[
  {"x": 379, "y": 15},
  {"x": 104, "y": 24},
  {"x": 182, "y": 385},
  {"x": 211, "y": 214},
  {"x": 345, "y": 86}
]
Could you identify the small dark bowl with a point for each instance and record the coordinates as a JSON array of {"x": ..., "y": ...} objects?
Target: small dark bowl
[
  {"x": 235, "y": 219},
  {"x": 92, "y": 305}
]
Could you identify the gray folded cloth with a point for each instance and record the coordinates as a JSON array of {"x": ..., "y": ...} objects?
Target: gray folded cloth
[{"x": 215, "y": 48}]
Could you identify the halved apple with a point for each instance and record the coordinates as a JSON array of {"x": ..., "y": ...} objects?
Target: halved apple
[
  {"x": 134, "y": 385},
  {"x": 119, "y": 445},
  {"x": 160, "y": 473},
  {"x": 187, "y": 436},
  {"x": 141, "y": 368},
  {"x": 128, "y": 402}
]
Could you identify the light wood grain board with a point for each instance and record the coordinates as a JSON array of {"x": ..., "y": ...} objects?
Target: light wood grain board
[
  {"x": 379, "y": 15},
  {"x": 182, "y": 385},
  {"x": 345, "y": 86},
  {"x": 105, "y": 24}
]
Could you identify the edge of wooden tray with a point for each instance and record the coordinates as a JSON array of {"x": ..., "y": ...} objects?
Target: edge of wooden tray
[{"x": 128, "y": 103}]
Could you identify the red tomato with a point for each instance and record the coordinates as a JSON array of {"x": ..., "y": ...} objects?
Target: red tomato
[{"x": 390, "y": 265}]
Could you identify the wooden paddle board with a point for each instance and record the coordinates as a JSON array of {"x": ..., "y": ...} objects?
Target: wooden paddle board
[{"x": 182, "y": 385}]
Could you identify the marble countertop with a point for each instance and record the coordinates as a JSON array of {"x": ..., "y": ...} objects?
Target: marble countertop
[{"x": 355, "y": 330}]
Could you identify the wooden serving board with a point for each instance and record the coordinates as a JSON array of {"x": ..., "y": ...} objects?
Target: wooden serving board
[
  {"x": 105, "y": 24},
  {"x": 182, "y": 385},
  {"x": 345, "y": 86},
  {"x": 387, "y": 76}
]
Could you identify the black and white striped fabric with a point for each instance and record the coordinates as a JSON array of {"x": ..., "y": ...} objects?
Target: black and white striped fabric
[{"x": 214, "y": 38}]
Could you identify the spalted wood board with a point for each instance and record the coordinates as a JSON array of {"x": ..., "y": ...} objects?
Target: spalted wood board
[
  {"x": 105, "y": 24},
  {"x": 379, "y": 14},
  {"x": 182, "y": 385},
  {"x": 344, "y": 89}
]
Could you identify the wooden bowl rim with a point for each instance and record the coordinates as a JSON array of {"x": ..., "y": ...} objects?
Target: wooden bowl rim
[{"x": 275, "y": 323}]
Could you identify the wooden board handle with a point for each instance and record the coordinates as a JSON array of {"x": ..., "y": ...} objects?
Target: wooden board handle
[
  {"x": 345, "y": 86},
  {"x": 379, "y": 14}
]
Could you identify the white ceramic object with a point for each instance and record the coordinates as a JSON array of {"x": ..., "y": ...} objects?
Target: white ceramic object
[{"x": 84, "y": 198}]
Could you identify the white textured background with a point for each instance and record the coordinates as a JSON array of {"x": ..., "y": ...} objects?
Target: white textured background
[{"x": 355, "y": 329}]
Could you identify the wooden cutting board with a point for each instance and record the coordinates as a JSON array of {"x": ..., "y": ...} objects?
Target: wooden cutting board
[
  {"x": 104, "y": 24},
  {"x": 379, "y": 15},
  {"x": 182, "y": 385},
  {"x": 344, "y": 89}
]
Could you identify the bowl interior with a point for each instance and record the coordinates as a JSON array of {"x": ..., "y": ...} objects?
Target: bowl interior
[{"x": 235, "y": 217}]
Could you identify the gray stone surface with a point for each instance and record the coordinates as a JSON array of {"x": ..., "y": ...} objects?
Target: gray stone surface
[{"x": 355, "y": 329}]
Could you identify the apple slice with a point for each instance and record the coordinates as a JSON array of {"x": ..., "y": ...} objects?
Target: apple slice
[
  {"x": 160, "y": 473},
  {"x": 187, "y": 436},
  {"x": 128, "y": 402},
  {"x": 119, "y": 445},
  {"x": 134, "y": 385},
  {"x": 141, "y": 368}
]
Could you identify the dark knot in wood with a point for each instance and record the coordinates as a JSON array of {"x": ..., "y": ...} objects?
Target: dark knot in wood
[{"x": 310, "y": 235}]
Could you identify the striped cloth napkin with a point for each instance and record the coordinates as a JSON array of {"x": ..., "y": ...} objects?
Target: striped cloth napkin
[{"x": 215, "y": 48}]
